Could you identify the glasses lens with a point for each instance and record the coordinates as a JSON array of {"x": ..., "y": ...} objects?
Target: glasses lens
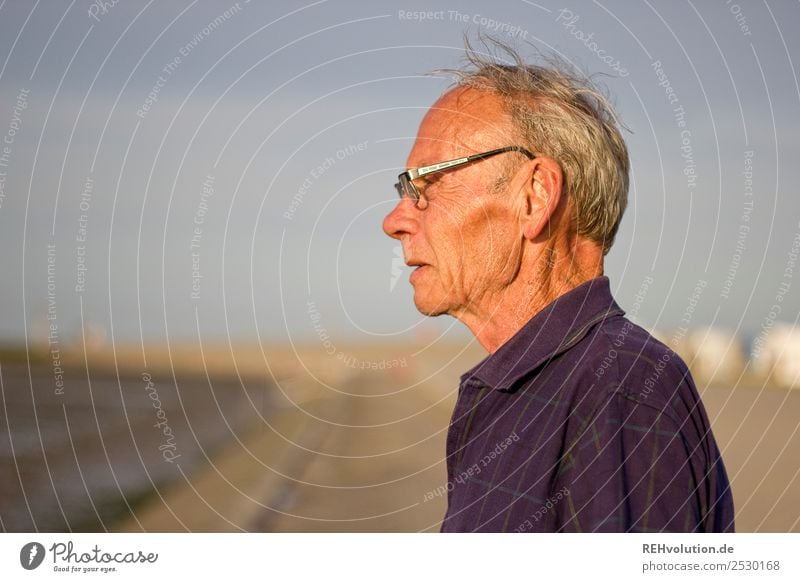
[{"x": 406, "y": 189}]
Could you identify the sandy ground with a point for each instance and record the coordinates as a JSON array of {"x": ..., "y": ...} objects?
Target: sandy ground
[
  {"x": 356, "y": 446},
  {"x": 354, "y": 440}
]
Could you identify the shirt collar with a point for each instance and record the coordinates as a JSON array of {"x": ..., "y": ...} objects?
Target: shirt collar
[{"x": 556, "y": 328}]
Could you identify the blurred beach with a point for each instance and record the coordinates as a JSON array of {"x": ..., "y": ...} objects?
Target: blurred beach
[{"x": 294, "y": 438}]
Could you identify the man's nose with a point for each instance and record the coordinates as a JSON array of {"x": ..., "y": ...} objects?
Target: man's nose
[{"x": 401, "y": 220}]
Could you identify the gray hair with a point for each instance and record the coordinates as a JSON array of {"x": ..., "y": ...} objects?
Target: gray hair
[{"x": 559, "y": 113}]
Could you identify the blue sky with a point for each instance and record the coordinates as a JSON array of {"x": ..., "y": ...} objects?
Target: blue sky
[{"x": 297, "y": 117}]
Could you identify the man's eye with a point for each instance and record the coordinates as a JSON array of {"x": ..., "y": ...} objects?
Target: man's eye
[
  {"x": 427, "y": 187},
  {"x": 431, "y": 179}
]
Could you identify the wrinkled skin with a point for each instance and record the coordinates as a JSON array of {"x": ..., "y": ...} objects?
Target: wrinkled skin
[{"x": 493, "y": 256}]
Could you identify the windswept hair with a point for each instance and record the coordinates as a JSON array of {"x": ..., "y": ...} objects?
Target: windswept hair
[{"x": 558, "y": 112}]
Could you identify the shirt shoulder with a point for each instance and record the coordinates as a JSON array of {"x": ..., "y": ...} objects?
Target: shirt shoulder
[
  {"x": 632, "y": 374},
  {"x": 640, "y": 454},
  {"x": 630, "y": 362}
]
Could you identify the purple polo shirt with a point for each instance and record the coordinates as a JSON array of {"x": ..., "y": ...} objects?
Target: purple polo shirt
[{"x": 583, "y": 422}]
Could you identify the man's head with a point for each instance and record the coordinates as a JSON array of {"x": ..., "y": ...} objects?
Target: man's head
[{"x": 509, "y": 223}]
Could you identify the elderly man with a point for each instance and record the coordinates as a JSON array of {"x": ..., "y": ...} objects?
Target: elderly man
[{"x": 578, "y": 420}]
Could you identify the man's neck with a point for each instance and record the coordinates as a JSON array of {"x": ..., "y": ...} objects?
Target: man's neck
[
  {"x": 502, "y": 316},
  {"x": 494, "y": 328}
]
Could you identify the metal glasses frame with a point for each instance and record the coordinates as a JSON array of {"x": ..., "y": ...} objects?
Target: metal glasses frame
[{"x": 405, "y": 181}]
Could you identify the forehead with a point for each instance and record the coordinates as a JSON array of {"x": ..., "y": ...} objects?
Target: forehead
[{"x": 462, "y": 121}]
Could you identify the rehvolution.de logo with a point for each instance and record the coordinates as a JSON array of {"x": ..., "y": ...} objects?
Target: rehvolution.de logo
[{"x": 31, "y": 555}]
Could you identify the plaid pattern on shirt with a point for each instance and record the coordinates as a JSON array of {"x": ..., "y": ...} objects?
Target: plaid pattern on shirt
[{"x": 583, "y": 422}]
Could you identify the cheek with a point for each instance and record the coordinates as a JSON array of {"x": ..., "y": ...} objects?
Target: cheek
[
  {"x": 471, "y": 246},
  {"x": 489, "y": 243},
  {"x": 448, "y": 239}
]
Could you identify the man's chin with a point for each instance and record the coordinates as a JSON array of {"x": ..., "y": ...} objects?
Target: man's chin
[{"x": 429, "y": 308}]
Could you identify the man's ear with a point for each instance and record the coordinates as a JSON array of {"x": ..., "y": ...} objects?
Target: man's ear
[{"x": 542, "y": 190}]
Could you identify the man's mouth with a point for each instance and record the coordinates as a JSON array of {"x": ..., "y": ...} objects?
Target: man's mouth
[
  {"x": 416, "y": 263},
  {"x": 418, "y": 269}
]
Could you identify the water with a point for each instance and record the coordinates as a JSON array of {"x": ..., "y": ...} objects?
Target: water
[{"x": 77, "y": 461}]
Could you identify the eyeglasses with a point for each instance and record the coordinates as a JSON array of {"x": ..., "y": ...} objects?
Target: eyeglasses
[{"x": 405, "y": 186}]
